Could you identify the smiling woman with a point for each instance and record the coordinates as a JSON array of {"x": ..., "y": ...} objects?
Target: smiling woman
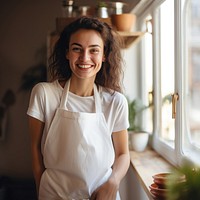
[{"x": 80, "y": 116}]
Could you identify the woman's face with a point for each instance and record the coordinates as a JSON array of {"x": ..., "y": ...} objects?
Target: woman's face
[{"x": 86, "y": 53}]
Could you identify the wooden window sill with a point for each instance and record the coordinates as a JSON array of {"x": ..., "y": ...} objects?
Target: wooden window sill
[{"x": 146, "y": 164}]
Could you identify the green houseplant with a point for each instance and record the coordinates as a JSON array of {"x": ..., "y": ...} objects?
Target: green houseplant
[
  {"x": 138, "y": 137},
  {"x": 135, "y": 109},
  {"x": 184, "y": 190}
]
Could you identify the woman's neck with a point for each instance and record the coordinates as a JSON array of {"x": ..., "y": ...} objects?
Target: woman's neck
[{"x": 82, "y": 87}]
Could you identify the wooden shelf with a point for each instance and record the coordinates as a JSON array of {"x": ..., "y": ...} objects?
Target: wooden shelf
[{"x": 130, "y": 38}]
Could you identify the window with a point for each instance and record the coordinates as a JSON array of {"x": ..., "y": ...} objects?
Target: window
[
  {"x": 167, "y": 129},
  {"x": 176, "y": 69},
  {"x": 191, "y": 142},
  {"x": 164, "y": 79},
  {"x": 147, "y": 79}
]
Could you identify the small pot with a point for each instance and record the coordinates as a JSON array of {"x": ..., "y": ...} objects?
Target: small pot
[
  {"x": 116, "y": 7},
  {"x": 123, "y": 22},
  {"x": 139, "y": 140},
  {"x": 103, "y": 12}
]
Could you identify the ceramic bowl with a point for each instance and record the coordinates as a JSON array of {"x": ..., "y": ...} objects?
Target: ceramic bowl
[
  {"x": 162, "y": 178},
  {"x": 158, "y": 193}
]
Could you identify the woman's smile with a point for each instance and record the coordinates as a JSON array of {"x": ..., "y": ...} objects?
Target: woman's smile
[{"x": 85, "y": 66}]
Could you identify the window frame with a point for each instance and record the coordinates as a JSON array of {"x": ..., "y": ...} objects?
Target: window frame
[{"x": 175, "y": 156}]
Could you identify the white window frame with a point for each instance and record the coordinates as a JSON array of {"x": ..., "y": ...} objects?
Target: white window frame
[{"x": 174, "y": 156}]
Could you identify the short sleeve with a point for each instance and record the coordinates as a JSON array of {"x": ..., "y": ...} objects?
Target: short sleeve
[
  {"x": 121, "y": 115},
  {"x": 36, "y": 103}
]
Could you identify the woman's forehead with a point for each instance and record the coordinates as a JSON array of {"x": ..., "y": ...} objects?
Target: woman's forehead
[{"x": 86, "y": 36}]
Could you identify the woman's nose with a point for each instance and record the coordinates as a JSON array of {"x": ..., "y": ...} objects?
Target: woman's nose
[{"x": 84, "y": 56}]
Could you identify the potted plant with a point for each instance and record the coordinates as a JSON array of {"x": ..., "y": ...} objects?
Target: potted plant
[
  {"x": 138, "y": 137},
  {"x": 187, "y": 189},
  {"x": 124, "y": 22},
  {"x": 102, "y": 9}
]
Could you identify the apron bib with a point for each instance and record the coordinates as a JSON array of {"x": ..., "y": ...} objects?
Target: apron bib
[{"x": 78, "y": 153}]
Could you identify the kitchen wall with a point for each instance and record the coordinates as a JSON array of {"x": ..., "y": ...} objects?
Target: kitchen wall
[{"x": 24, "y": 26}]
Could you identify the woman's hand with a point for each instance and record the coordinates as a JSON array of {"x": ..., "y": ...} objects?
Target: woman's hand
[{"x": 106, "y": 191}]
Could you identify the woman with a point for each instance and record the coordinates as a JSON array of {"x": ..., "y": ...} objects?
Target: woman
[{"x": 78, "y": 122}]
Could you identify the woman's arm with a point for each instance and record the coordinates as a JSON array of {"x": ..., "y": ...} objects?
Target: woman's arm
[
  {"x": 122, "y": 157},
  {"x": 36, "y": 129},
  {"x": 122, "y": 161}
]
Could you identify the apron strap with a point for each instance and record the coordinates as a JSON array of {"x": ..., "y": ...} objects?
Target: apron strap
[
  {"x": 64, "y": 97},
  {"x": 97, "y": 98}
]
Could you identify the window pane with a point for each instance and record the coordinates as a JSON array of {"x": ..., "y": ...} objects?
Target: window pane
[
  {"x": 193, "y": 73},
  {"x": 148, "y": 80},
  {"x": 167, "y": 70}
]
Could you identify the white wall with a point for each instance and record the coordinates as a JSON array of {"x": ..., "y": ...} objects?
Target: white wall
[
  {"x": 130, "y": 187},
  {"x": 131, "y": 71}
]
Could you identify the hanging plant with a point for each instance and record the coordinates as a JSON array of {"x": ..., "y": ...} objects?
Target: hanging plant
[{"x": 32, "y": 76}]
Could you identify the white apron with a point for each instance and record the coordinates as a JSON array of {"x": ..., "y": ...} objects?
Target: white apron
[{"x": 78, "y": 153}]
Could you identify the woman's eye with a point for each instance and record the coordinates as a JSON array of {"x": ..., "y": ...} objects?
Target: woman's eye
[
  {"x": 76, "y": 49},
  {"x": 94, "y": 51}
]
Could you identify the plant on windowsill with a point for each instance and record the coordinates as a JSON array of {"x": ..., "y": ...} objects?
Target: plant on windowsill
[
  {"x": 136, "y": 132},
  {"x": 138, "y": 137},
  {"x": 184, "y": 190}
]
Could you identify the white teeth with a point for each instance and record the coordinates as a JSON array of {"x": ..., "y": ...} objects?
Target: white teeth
[{"x": 84, "y": 66}]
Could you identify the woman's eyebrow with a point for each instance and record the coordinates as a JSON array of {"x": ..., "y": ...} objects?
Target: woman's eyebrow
[
  {"x": 93, "y": 45},
  {"x": 76, "y": 44}
]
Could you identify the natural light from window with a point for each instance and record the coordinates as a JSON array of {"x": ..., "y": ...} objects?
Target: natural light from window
[
  {"x": 167, "y": 70},
  {"x": 148, "y": 73},
  {"x": 193, "y": 72}
]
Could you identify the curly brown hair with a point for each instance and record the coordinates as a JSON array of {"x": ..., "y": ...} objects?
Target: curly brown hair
[{"x": 111, "y": 73}]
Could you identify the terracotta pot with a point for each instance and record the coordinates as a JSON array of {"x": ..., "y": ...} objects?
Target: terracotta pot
[{"x": 123, "y": 22}]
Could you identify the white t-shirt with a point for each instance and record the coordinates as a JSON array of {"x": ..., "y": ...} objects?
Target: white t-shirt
[{"x": 45, "y": 99}]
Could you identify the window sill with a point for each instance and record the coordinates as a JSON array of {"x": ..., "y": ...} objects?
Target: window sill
[{"x": 146, "y": 164}]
